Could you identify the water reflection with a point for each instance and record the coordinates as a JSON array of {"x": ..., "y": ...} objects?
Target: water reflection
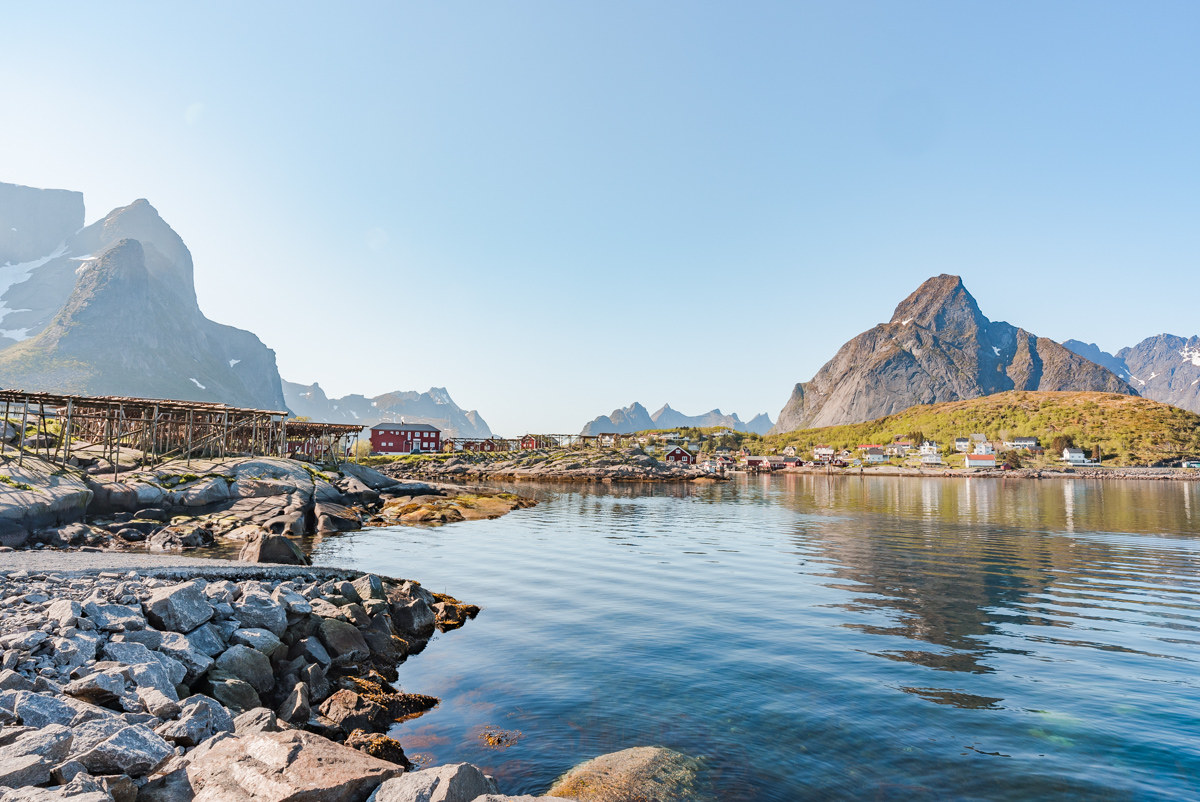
[{"x": 823, "y": 637}]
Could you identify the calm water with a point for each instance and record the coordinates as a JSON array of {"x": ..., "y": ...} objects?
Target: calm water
[{"x": 823, "y": 637}]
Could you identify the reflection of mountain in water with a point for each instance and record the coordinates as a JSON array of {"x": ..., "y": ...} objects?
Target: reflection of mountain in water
[{"x": 956, "y": 566}]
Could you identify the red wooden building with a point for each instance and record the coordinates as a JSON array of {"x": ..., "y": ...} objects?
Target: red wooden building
[
  {"x": 680, "y": 455},
  {"x": 405, "y": 438}
]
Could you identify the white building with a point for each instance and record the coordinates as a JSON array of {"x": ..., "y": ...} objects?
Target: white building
[
  {"x": 985, "y": 448},
  {"x": 875, "y": 456},
  {"x": 929, "y": 447},
  {"x": 1021, "y": 443},
  {"x": 931, "y": 459},
  {"x": 1075, "y": 456},
  {"x": 962, "y": 444},
  {"x": 981, "y": 460},
  {"x": 823, "y": 453}
]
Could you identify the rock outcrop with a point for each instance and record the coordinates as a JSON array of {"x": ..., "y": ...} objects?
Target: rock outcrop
[
  {"x": 111, "y": 310},
  {"x": 1162, "y": 368},
  {"x": 34, "y": 222},
  {"x": 644, "y": 772},
  {"x": 937, "y": 347}
]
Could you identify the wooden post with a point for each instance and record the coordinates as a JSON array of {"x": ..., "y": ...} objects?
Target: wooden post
[
  {"x": 225, "y": 435},
  {"x": 154, "y": 435},
  {"x": 118, "y": 418},
  {"x": 21, "y": 436},
  {"x": 67, "y": 431},
  {"x": 283, "y": 437},
  {"x": 6, "y": 425},
  {"x": 189, "y": 438}
]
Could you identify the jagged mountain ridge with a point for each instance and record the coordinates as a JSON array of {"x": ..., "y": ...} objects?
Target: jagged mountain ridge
[
  {"x": 1163, "y": 368},
  {"x": 937, "y": 347},
  {"x": 111, "y": 310},
  {"x": 635, "y": 418},
  {"x": 434, "y": 407}
]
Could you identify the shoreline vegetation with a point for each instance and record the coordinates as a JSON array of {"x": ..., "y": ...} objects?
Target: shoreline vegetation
[{"x": 557, "y": 465}]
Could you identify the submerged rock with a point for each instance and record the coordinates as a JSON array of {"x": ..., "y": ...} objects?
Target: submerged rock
[{"x": 643, "y": 772}]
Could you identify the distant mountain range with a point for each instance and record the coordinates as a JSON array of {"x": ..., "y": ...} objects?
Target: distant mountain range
[
  {"x": 635, "y": 418},
  {"x": 434, "y": 407},
  {"x": 937, "y": 347},
  {"x": 111, "y": 309},
  {"x": 1162, "y": 368}
]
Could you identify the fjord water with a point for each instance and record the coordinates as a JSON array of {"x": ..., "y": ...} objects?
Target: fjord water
[{"x": 817, "y": 637}]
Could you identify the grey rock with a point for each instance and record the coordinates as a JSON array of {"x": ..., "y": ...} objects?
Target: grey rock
[
  {"x": 24, "y": 770},
  {"x": 48, "y": 745},
  {"x": 99, "y": 688},
  {"x": 205, "y": 493},
  {"x": 249, "y": 665},
  {"x": 179, "y": 647},
  {"x": 296, "y": 708},
  {"x": 114, "y": 617},
  {"x": 12, "y": 681},
  {"x": 369, "y": 586},
  {"x": 413, "y": 616},
  {"x": 260, "y": 719},
  {"x": 313, "y": 675},
  {"x": 291, "y": 600},
  {"x": 64, "y": 612},
  {"x": 36, "y": 710},
  {"x": 222, "y": 591},
  {"x": 200, "y": 718},
  {"x": 171, "y": 786},
  {"x": 76, "y": 650},
  {"x": 236, "y": 694},
  {"x": 150, "y": 638},
  {"x": 368, "y": 476},
  {"x": 273, "y": 548},
  {"x": 136, "y": 653},
  {"x": 261, "y": 639},
  {"x": 152, "y": 675},
  {"x": 178, "y": 608},
  {"x": 455, "y": 782},
  {"x": 257, "y": 609},
  {"x": 135, "y": 751},
  {"x": 312, "y": 650},
  {"x": 344, "y": 643},
  {"x": 206, "y": 640},
  {"x": 89, "y": 734},
  {"x": 158, "y": 703}
]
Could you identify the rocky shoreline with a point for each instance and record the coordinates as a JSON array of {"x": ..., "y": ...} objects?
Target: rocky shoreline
[
  {"x": 1140, "y": 474},
  {"x": 258, "y": 505},
  {"x": 557, "y": 465}
]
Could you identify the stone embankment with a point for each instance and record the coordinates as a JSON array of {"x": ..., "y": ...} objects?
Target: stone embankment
[
  {"x": 259, "y": 502},
  {"x": 1150, "y": 474},
  {"x": 554, "y": 465},
  {"x": 117, "y": 687}
]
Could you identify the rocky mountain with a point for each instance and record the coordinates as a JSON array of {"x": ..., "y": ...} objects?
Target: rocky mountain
[
  {"x": 635, "y": 418},
  {"x": 434, "y": 407},
  {"x": 111, "y": 309},
  {"x": 1163, "y": 368},
  {"x": 937, "y": 347}
]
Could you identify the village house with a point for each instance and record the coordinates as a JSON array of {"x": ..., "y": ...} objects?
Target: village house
[
  {"x": 823, "y": 453},
  {"x": 928, "y": 447},
  {"x": 789, "y": 451},
  {"x": 875, "y": 455},
  {"x": 405, "y": 438},
  {"x": 932, "y": 458},
  {"x": 962, "y": 444},
  {"x": 1075, "y": 456},
  {"x": 865, "y": 446},
  {"x": 899, "y": 448},
  {"x": 981, "y": 460},
  {"x": 1021, "y": 444},
  {"x": 680, "y": 455},
  {"x": 984, "y": 448}
]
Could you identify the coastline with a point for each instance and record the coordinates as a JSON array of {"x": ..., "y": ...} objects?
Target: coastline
[{"x": 1108, "y": 474}]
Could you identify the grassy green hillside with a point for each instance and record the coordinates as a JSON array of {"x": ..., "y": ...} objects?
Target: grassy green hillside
[{"x": 1129, "y": 430}]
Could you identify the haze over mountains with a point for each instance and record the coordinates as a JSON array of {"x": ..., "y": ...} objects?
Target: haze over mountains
[
  {"x": 1163, "y": 368},
  {"x": 938, "y": 346},
  {"x": 635, "y": 418},
  {"x": 434, "y": 407}
]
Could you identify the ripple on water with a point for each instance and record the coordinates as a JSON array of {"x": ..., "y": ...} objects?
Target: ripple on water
[{"x": 822, "y": 637}]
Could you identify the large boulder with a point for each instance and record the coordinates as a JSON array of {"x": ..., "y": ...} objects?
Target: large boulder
[
  {"x": 643, "y": 772},
  {"x": 135, "y": 750},
  {"x": 336, "y": 518},
  {"x": 351, "y": 711},
  {"x": 200, "y": 719},
  {"x": 344, "y": 643},
  {"x": 289, "y": 766},
  {"x": 368, "y": 476},
  {"x": 115, "y": 617},
  {"x": 178, "y": 608},
  {"x": 455, "y": 782},
  {"x": 204, "y": 493},
  {"x": 234, "y": 693},
  {"x": 256, "y": 608},
  {"x": 48, "y": 745},
  {"x": 268, "y": 548},
  {"x": 249, "y": 665}
]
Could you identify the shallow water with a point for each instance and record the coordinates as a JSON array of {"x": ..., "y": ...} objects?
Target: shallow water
[{"x": 822, "y": 637}]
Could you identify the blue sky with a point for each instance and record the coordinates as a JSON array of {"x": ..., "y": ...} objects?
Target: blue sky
[{"x": 553, "y": 209}]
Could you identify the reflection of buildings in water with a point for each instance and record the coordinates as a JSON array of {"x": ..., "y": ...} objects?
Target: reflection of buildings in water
[
  {"x": 1069, "y": 505},
  {"x": 930, "y": 495},
  {"x": 1187, "y": 501}
]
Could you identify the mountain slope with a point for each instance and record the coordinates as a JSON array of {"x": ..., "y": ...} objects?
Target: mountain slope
[
  {"x": 1165, "y": 367},
  {"x": 434, "y": 407},
  {"x": 635, "y": 418},
  {"x": 113, "y": 312},
  {"x": 1133, "y": 430},
  {"x": 937, "y": 347}
]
